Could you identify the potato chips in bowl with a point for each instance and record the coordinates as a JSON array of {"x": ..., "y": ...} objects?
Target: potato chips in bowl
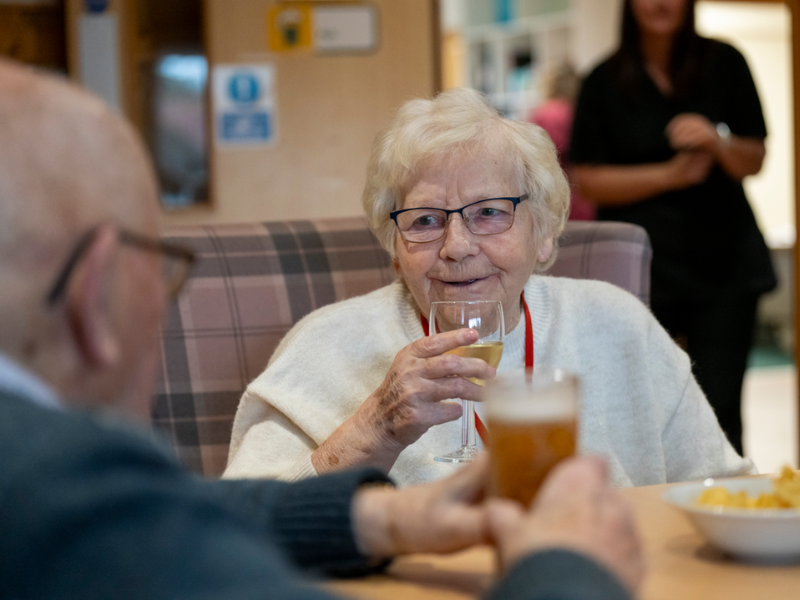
[
  {"x": 752, "y": 518},
  {"x": 785, "y": 494}
]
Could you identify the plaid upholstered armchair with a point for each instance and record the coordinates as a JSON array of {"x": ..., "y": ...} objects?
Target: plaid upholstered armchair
[{"x": 254, "y": 281}]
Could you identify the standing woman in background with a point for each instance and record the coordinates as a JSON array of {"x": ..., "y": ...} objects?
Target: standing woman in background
[{"x": 665, "y": 130}]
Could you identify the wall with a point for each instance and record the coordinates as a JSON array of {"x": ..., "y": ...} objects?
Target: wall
[
  {"x": 328, "y": 109},
  {"x": 595, "y": 31},
  {"x": 34, "y": 34}
]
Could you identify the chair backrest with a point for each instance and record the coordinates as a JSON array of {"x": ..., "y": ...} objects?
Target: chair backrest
[
  {"x": 253, "y": 282},
  {"x": 618, "y": 253}
]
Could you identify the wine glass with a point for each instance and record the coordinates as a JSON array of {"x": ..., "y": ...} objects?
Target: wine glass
[{"x": 486, "y": 317}]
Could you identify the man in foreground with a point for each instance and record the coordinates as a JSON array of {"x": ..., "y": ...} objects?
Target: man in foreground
[{"x": 91, "y": 507}]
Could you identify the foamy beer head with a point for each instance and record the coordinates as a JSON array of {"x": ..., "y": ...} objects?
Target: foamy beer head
[{"x": 533, "y": 424}]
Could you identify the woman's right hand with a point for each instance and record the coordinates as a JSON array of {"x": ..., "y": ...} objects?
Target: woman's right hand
[
  {"x": 688, "y": 168},
  {"x": 407, "y": 403}
]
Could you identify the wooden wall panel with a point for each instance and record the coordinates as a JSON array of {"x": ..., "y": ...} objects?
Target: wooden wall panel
[
  {"x": 34, "y": 35},
  {"x": 329, "y": 109}
]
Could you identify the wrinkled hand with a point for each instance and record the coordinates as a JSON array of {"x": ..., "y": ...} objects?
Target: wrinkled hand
[
  {"x": 443, "y": 516},
  {"x": 576, "y": 510},
  {"x": 692, "y": 131},
  {"x": 408, "y": 402},
  {"x": 688, "y": 168}
]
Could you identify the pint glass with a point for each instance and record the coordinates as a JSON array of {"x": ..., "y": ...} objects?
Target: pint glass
[{"x": 533, "y": 424}]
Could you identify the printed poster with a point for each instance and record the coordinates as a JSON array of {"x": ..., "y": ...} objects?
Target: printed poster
[{"x": 243, "y": 100}]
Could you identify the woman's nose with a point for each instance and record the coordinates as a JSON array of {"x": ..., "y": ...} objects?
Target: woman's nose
[{"x": 459, "y": 241}]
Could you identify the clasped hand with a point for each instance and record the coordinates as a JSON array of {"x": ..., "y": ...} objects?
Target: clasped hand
[
  {"x": 697, "y": 142},
  {"x": 577, "y": 510}
]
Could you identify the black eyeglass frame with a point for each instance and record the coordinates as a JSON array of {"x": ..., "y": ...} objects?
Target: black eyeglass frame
[
  {"x": 128, "y": 238},
  {"x": 515, "y": 200}
]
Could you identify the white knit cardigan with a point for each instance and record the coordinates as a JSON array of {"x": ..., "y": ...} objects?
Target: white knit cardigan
[{"x": 641, "y": 406}]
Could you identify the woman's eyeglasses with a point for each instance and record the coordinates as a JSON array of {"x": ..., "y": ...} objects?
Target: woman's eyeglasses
[{"x": 484, "y": 217}]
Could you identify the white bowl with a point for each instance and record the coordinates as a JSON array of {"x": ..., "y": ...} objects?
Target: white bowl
[{"x": 756, "y": 535}]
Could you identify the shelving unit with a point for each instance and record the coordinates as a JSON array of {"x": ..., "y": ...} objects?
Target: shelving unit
[{"x": 508, "y": 61}]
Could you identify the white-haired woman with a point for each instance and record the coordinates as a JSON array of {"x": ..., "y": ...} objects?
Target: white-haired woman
[{"x": 358, "y": 382}]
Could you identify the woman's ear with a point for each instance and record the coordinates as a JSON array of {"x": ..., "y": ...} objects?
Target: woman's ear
[
  {"x": 89, "y": 303},
  {"x": 545, "y": 250}
]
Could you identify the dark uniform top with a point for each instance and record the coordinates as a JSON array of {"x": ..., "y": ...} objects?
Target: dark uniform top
[{"x": 705, "y": 238}]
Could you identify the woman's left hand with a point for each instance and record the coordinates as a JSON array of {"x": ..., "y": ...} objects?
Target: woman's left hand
[
  {"x": 738, "y": 156},
  {"x": 692, "y": 131}
]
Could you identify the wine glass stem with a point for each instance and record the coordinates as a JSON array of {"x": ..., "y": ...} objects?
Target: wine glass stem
[{"x": 468, "y": 423}]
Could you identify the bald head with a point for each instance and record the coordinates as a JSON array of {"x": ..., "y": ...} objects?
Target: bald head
[{"x": 68, "y": 164}]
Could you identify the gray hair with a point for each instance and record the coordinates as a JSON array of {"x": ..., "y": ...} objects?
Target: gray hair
[{"x": 463, "y": 119}]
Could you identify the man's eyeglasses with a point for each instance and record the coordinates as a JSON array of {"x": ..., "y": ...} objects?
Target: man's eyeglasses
[
  {"x": 176, "y": 261},
  {"x": 484, "y": 217}
]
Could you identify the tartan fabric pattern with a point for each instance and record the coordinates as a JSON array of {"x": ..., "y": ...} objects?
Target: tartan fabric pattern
[
  {"x": 250, "y": 285},
  {"x": 252, "y": 282},
  {"x": 619, "y": 253}
]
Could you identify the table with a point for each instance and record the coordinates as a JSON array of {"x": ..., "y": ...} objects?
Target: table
[{"x": 681, "y": 566}]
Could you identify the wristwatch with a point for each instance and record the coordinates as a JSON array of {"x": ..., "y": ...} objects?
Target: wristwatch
[{"x": 724, "y": 132}]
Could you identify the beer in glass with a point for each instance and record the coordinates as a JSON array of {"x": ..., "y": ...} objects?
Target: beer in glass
[{"x": 532, "y": 417}]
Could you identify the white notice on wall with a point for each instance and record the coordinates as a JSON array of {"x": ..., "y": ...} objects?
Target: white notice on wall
[
  {"x": 243, "y": 100},
  {"x": 345, "y": 28},
  {"x": 98, "y": 56}
]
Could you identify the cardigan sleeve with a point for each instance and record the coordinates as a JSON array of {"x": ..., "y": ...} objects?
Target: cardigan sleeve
[
  {"x": 698, "y": 446},
  {"x": 268, "y": 444},
  {"x": 694, "y": 443}
]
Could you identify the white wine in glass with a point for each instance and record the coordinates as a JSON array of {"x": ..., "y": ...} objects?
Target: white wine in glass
[{"x": 486, "y": 317}]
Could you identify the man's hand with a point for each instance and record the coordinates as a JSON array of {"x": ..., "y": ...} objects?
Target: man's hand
[
  {"x": 443, "y": 516},
  {"x": 575, "y": 510}
]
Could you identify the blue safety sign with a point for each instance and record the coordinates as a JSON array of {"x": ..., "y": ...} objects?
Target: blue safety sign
[
  {"x": 244, "y": 105},
  {"x": 243, "y": 87}
]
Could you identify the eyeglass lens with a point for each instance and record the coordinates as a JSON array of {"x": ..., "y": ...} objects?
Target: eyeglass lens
[
  {"x": 482, "y": 218},
  {"x": 174, "y": 271}
]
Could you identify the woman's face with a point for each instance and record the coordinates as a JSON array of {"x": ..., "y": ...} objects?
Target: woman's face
[
  {"x": 659, "y": 17},
  {"x": 462, "y": 265}
]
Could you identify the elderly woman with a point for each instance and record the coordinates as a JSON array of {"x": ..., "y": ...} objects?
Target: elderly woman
[{"x": 358, "y": 382}]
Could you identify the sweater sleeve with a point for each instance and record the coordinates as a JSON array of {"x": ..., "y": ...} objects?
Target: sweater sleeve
[
  {"x": 318, "y": 377},
  {"x": 104, "y": 514},
  {"x": 558, "y": 575},
  {"x": 699, "y": 448},
  {"x": 309, "y": 520},
  {"x": 694, "y": 443},
  {"x": 266, "y": 443}
]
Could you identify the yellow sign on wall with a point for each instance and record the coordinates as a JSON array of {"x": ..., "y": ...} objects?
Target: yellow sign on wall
[{"x": 289, "y": 27}]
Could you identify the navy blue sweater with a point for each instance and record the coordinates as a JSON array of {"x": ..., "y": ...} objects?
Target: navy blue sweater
[{"x": 91, "y": 508}]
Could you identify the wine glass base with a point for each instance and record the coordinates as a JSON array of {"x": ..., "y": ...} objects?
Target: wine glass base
[{"x": 464, "y": 454}]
